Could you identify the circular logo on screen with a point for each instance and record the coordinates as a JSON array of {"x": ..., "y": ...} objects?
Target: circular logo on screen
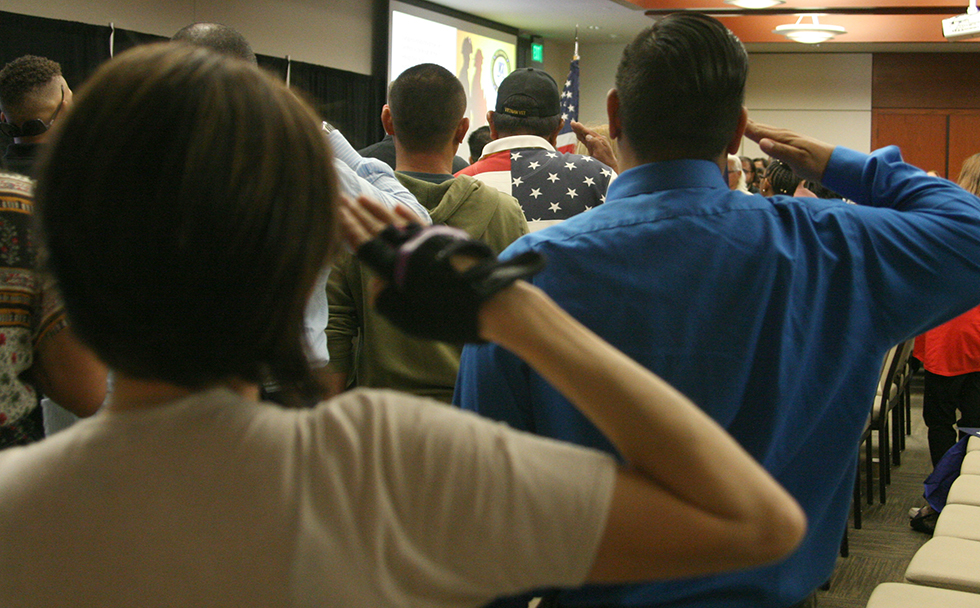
[{"x": 499, "y": 68}]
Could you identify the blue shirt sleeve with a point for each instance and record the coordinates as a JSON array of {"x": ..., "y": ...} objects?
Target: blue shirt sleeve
[
  {"x": 370, "y": 177},
  {"x": 315, "y": 322},
  {"x": 916, "y": 238}
]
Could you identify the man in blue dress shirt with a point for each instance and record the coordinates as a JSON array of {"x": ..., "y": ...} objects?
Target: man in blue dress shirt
[{"x": 772, "y": 314}]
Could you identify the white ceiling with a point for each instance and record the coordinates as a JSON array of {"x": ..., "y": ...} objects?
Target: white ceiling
[{"x": 556, "y": 19}]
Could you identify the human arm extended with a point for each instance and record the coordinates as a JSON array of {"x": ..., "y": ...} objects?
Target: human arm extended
[
  {"x": 599, "y": 147},
  {"x": 806, "y": 156},
  {"x": 370, "y": 177},
  {"x": 725, "y": 511},
  {"x": 912, "y": 239},
  {"x": 881, "y": 179}
]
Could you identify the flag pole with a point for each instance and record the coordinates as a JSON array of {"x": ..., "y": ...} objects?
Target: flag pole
[{"x": 569, "y": 104}]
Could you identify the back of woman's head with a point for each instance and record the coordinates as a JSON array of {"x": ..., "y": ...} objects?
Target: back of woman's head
[
  {"x": 970, "y": 175},
  {"x": 781, "y": 178},
  {"x": 188, "y": 206}
]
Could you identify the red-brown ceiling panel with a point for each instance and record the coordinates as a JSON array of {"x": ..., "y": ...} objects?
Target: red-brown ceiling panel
[
  {"x": 860, "y": 28},
  {"x": 757, "y": 27},
  {"x": 798, "y": 4}
]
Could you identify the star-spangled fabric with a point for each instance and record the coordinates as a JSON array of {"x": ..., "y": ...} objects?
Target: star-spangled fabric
[
  {"x": 569, "y": 108},
  {"x": 550, "y": 186}
]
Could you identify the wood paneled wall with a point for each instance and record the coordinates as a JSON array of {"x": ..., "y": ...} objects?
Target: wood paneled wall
[
  {"x": 928, "y": 104},
  {"x": 926, "y": 80},
  {"x": 964, "y": 140}
]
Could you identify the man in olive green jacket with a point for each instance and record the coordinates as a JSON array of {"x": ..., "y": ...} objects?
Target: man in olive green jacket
[{"x": 424, "y": 113}]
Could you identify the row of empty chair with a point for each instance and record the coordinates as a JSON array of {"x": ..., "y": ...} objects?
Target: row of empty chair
[
  {"x": 888, "y": 423},
  {"x": 945, "y": 572}
]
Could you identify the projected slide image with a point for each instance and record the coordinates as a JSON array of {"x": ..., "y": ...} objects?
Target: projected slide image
[{"x": 481, "y": 62}]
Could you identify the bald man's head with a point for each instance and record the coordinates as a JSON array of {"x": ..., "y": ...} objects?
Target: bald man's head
[{"x": 220, "y": 38}]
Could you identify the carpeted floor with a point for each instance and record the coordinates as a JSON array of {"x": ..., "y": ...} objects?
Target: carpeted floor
[{"x": 880, "y": 551}]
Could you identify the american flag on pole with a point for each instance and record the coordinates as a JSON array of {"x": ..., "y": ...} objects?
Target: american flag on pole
[{"x": 569, "y": 106}]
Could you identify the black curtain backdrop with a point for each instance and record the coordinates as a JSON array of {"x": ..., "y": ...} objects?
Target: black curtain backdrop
[
  {"x": 78, "y": 47},
  {"x": 349, "y": 101},
  {"x": 127, "y": 39},
  {"x": 274, "y": 65},
  {"x": 124, "y": 40},
  {"x": 345, "y": 99}
]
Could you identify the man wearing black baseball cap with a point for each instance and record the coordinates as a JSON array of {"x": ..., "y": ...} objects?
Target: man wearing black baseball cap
[
  {"x": 529, "y": 93},
  {"x": 522, "y": 160}
]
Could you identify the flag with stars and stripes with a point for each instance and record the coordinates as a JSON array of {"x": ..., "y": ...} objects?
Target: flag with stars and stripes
[
  {"x": 569, "y": 108},
  {"x": 550, "y": 186}
]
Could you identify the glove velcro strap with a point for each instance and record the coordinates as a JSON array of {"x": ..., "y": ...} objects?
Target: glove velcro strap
[
  {"x": 426, "y": 295},
  {"x": 487, "y": 278},
  {"x": 459, "y": 242},
  {"x": 381, "y": 252}
]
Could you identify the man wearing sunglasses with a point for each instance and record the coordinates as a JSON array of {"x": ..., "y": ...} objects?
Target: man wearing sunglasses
[{"x": 33, "y": 94}]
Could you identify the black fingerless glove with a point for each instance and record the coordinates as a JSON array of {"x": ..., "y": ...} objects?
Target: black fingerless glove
[{"x": 425, "y": 295}]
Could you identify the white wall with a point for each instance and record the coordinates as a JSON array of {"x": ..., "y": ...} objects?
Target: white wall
[
  {"x": 332, "y": 33},
  {"x": 557, "y": 58},
  {"x": 597, "y": 68},
  {"x": 824, "y": 95},
  {"x": 827, "y": 96}
]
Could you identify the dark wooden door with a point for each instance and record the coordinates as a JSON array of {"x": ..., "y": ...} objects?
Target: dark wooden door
[
  {"x": 964, "y": 140},
  {"x": 921, "y": 136}
]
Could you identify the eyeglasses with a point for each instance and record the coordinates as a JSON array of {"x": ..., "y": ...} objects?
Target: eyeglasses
[{"x": 32, "y": 127}]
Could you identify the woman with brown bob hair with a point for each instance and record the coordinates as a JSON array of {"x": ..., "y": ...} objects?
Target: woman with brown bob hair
[{"x": 189, "y": 202}]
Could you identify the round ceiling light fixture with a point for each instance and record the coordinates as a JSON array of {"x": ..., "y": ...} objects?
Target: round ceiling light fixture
[
  {"x": 755, "y": 4},
  {"x": 809, "y": 33}
]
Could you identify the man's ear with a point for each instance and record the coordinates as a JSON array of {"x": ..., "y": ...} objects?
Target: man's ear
[
  {"x": 3, "y": 117},
  {"x": 493, "y": 127},
  {"x": 612, "y": 112},
  {"x": 461, "y": 129},
  {"x": 736, "y": 142},
  {"x": 389, "y": 125},
  {"x": 553, "y": 138}
]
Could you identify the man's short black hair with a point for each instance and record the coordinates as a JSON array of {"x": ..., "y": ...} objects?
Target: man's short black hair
[
  {"x": 24, "y": 76},
  {"x": 681, "y": 85},
  {"x": 542, "y": 126},
  {"x": 477, "y": 140},
  {"x": 426, "y": 102},
  {"x": 217, "y": 37}
]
